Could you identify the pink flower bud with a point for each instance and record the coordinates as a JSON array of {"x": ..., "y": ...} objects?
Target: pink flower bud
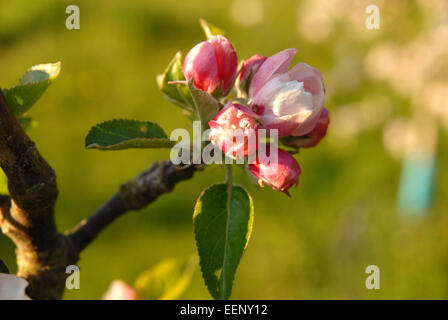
[
  {"x": 234, "y": 130},
  {"x": 312, "y": 138},
  {"x": 213, "y": 65},
  {"x": 120, "y": 290},
  {"x": 281, "y": 175},
  {"x": 290, "y": 101},
  {"x": 248, "y": 69}
]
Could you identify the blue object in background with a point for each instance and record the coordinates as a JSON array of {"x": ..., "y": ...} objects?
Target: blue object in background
[{"x": 416, "y": 183}]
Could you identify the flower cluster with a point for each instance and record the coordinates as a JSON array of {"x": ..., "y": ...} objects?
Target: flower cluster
[{"x": 287, "y": 103}]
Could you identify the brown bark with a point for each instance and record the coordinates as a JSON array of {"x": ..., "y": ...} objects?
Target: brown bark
[{"x": 42, "y": 253}]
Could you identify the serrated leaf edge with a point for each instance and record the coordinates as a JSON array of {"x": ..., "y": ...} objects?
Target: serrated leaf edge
[
  {"x": 100, "y": 147},
  {"x": 251, "y": 222}
]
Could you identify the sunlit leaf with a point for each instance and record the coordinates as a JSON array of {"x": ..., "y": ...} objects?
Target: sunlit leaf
[
  {"x": 210, "y": 29},
  {"x": 175, "y": 93},
  {"x": 167, "y": 280},
  {"x": 223, "y": 224},
  {"x": 125, "y": 134},
  {"x": 32, "y": 85}
]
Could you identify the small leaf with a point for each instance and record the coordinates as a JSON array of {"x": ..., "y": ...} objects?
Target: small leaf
[
  {"x": 210, "y": 29},
  {"x": 223, "y": 224},
  {"x": 175, "y": 93},
  {"x": 165, "y": 281},
  {"x": 206, "y": 106},
  {"x": 125, "y": 134},
  {"x": 40, "y": 73},
  {"x": 31, "y": 87},
  {"x": 3, "y": 267}
]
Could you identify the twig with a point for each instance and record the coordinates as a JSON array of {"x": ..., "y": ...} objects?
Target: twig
[
  {"x": 158, "y": 179},
  {"x": 27, "y": 215}
]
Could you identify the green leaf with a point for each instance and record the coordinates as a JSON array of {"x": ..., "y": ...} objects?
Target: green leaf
[
  {"x": 206, "y": 106},
  {"x": 175, "y": 93},
  {"x": 125, "y": 134},
  {"x": 223, "y": 224},
  {"x": 210, "y": 29},
  {"x": 3, "y": 267},
  {"x": 31, "y": 87},
  {"x": 167, "y": 280}
]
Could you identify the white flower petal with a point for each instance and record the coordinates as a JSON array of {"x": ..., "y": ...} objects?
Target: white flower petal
[{"x": 12, "y": 287}]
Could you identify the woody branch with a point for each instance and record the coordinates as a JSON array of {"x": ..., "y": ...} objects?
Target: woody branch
[{"x": 27, "y": 214}]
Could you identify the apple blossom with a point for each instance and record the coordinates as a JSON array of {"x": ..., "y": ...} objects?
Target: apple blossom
[
  {"x": 290, "y": 101},
  {"x": 281, "y": 175},
  {"x": 213, "y": 65},
  {"x": 12, "y": 287},
  {"x": 234, "y": 130},
  {"x": 312, "y": 138}
]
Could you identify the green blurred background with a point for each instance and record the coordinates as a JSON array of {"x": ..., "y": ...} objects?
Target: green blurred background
[{"x": 386, "y": 93}]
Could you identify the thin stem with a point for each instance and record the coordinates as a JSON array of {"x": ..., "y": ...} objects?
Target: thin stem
[{"x": 229, "y": 174}]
